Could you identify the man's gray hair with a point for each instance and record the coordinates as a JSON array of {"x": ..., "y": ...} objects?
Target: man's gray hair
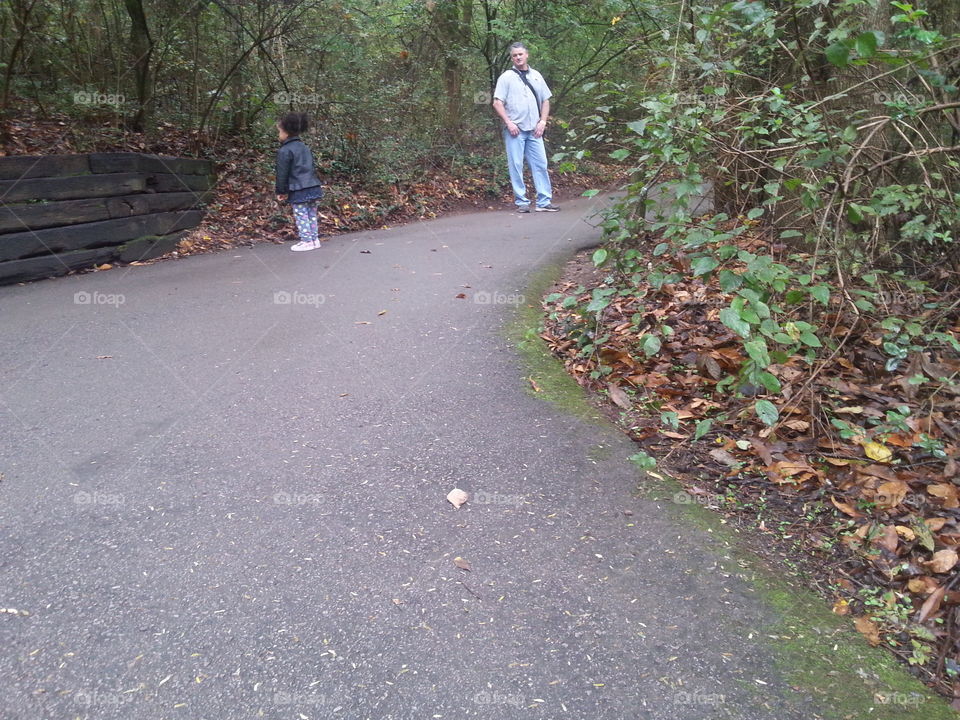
[{"x": 517, "y": 46}]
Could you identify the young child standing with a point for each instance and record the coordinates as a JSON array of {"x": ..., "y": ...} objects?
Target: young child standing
[{"x": 297, "y": 181}]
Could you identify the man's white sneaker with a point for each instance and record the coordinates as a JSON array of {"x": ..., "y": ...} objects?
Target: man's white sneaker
[
  {"x": 548, "y": 208},
  {"x": 303, "y": 246}
]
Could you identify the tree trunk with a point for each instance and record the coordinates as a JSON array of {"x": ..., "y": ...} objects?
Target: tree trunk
[
  {"x": 451, "y": 21},
  {"x": 141, "y": 47}
]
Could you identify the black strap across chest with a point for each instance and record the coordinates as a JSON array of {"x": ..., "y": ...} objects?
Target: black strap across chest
[{"x": 523, "y": 76}]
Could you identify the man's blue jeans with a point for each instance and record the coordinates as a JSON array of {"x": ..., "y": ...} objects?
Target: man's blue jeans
[{"x": 525, "y": 145}]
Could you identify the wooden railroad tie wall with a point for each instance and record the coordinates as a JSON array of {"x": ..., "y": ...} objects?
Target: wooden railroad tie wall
[{"x": 66, "y": 212}]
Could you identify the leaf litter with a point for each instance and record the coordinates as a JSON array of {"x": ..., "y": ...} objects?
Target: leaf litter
[{"x": 870, "y": 514}]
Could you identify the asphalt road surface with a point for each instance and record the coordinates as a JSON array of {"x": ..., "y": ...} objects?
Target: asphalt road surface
[{"x": 223, "y": 496}]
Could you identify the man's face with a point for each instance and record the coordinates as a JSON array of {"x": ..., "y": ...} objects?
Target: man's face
[{"x": 519, "y": 57}]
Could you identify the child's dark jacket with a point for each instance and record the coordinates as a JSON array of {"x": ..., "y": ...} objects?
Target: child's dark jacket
[{"x": 295, "y": 169}]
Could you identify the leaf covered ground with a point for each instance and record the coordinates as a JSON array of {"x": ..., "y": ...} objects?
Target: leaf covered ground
[{"x": 854, "y": 485}]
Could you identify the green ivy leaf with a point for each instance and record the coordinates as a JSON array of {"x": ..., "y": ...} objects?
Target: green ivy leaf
[
  {"x": 808, "y": 338},
  {"x": 838, "y": 54},
  {"x": 703, "y": 427},
  {"x": 589, "y": 193},
  {"x": 866, "y": 44},
  {"x": 731, "y": 318},
  {"x": 767, "y": 412},
  {"x": 650, "y": 345},
  {"x": 620, "y": 154},
  {"x": 757, "y": 350},
  {"x": 770, "y": 382},
  {"x": 599, "y": 257},
  {"x": 729, "y": 281},
  {"x": 703, "y": 265},
  {"x": 821, "y": 293}
]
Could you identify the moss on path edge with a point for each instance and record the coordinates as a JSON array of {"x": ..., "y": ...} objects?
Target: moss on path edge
[{"x": 819, "y": 653}]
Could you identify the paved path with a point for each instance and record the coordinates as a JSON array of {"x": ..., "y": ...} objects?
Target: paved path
[{"x": 223, "y": 497}]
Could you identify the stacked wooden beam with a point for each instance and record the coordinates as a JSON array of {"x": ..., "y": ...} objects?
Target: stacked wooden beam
[{"x": 66, "y": 212}]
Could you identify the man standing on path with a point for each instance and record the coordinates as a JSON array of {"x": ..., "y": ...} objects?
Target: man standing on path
[{"x": 522, "y": 100}]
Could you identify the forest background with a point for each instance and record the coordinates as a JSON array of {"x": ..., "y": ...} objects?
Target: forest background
[{"x": 791, "y": 357}]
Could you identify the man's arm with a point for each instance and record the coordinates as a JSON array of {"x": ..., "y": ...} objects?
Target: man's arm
[
  {"x": 544, "y": 116},
  {"x": 500, "y": 110}
]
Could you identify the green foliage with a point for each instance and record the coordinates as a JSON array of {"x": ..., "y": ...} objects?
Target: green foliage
[{"x": 825, "y": 131}]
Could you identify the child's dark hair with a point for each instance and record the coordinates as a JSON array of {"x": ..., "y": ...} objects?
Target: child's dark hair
[{"x": 294, "y": 123}]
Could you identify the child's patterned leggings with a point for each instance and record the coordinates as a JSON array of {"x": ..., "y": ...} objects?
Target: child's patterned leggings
[{"x": 305, "y": 215}]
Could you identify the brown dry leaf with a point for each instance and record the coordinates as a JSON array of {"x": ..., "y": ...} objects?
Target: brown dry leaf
[
  {"x": 891, "y": 494},
  {"x": 854, "y": 410},
  {"x": 906, "y": 533},
  {"x": 724, "y": 458},
  {"x": 798, "y": 425},
  {"x": 935, "y": 524},
  {"x": 946, "y": 492},
  {"x": 901, "y": 440},
  {"x": 844, "y": 508},
  {"x": 838, "y": 462},
  {"x": 868, "y": 628},
  {"x": 457, "y": 497},
  {"x": 709, "y": 367},
  {"x": 931, "y": 605},
  {"x": 942, "y": 561},
  {"x": 533, "y": 384},
  {"x": 922, "y": 585},
  {"x": 762, "y": 450},
  {"x": 461, "y": 563},
  {"x": 841, "y": 607},
  {"x": 889, "y": 540},
  {"x": 619, "y": 397},
  {"x": 788, "y": 468}
]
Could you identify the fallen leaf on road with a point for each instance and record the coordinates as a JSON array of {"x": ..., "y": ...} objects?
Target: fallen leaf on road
[
  {"x": 457, "y": 497},
  {"x": 461, "y": 563}
]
